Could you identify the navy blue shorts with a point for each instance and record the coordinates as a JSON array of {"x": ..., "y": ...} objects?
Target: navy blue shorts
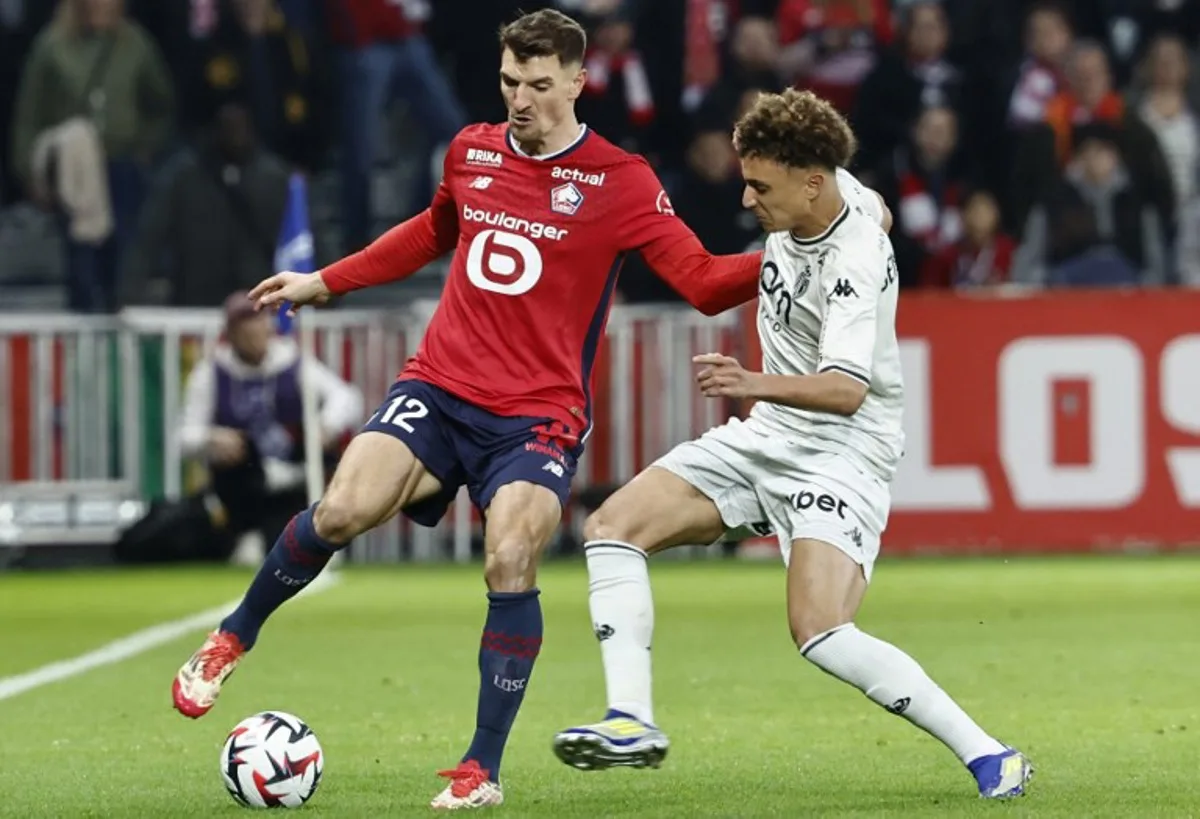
[{"x": 462, "y": 444}]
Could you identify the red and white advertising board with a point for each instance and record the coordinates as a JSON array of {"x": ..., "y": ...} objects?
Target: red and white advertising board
[{"x": 1057, "y": 422}]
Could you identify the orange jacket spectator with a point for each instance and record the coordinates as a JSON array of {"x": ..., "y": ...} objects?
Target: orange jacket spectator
[{"x": 1065, "y": 112}]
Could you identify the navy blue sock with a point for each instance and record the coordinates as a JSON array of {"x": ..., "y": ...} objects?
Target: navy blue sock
[
  {"x": 512, "y": 638},
  {"x": 297, "y": 557}
]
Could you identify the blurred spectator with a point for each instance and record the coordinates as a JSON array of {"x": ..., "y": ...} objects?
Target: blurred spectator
[
  {"x": 616, "y": 100},
  {"x": 1048, "y": 38},
  {"x": 253, "y": 55},
  {"x": 924, "y": 185},
  {"x": 95, "y": 98},
  {"x": 243, "y": 414},
  {"x": 682, "y": 43},
  {"x": 982, "y": 257},
  {"x": 1096, "y": 227},
  {"x": 384, "y": 54},
  {"x": 753, "y": 55},
  {"x": 1165, "y": 109},
  {"x": 212, "y": 222},
  {"x": 1128, "y": 27},
  {"x": 20, "y": 21},
  {"x": 913, "y": 76},
  {"x": 1044, "y": 150},
  {"x": 831, "y": 45},
  {"x": 1188, "y": 254}
]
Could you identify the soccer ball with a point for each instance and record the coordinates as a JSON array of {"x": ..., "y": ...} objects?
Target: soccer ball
[{"x": 272, "y": 760}]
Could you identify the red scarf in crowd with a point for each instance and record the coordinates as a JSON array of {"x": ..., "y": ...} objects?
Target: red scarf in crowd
[
  {"x": 602, "y": 66},
  {"x": 933, "y": 223}
]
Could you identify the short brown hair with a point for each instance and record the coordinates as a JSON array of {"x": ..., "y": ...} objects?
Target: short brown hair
[
  {"x": 797, "y": 129},
  {"x": 544, "y": 33}
]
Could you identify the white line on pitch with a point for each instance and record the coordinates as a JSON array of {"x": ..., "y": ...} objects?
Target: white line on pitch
[{"x": 133, "y": 644}]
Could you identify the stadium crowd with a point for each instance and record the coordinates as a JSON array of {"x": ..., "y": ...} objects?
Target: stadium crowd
[{"x": 146, "y": 146}]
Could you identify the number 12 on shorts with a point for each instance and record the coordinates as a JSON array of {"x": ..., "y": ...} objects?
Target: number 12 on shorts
[{"x": 413, "y": 409}]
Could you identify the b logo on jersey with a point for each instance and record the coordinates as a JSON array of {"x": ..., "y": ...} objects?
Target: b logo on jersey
[
  {"x": 566, "y": 199},
  {"x": 504, "y": 263}
]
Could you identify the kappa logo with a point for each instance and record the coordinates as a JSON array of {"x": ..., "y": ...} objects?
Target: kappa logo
[
  {"x": 566, "y": 199},
  {"x": 480, "y": 156},
  {"x": 480, "y": 183},
  {"x": 844, "y": 290}
]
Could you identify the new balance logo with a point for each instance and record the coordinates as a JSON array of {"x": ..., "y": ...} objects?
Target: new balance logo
[
  {"x": 480, "y": 183},
  {"x": 479, "y": 156},
  {"x": 899, "y": 706},
  {"x": 843, "y": 289},
  {"x": 554, "y": 468}
]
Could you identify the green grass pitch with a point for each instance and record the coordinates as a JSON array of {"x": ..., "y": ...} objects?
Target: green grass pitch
[{"x": 1090, "y": 665}]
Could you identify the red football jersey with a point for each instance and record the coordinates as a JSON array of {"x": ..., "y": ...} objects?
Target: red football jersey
[{"x": 538, "y": 244}]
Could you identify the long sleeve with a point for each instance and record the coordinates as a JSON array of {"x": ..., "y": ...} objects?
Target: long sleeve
[
  {"x": 197, "y": 413},
  {"x": 710, "y": 283},
  {"x": 403, "y": 250}
]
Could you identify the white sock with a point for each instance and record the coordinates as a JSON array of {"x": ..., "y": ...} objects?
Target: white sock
[
  {"x": 896, "y": 681},
  {"x": 623, "y": 618}
]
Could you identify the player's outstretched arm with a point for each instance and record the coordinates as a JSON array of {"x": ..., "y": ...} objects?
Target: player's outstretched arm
[
  {"x": 711, "y": 284},
  {"x": 400, "y": 252},
  {"x": 831, "y": 391}
]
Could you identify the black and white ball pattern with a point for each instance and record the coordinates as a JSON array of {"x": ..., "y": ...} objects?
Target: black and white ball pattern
[{"x": 272, "y": 760}]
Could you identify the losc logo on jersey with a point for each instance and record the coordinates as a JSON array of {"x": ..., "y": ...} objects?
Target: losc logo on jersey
[
  {"x": 566, "y": 199},
  {"x": 663, "y": 204},
  {"x": 504, "y": 263}
]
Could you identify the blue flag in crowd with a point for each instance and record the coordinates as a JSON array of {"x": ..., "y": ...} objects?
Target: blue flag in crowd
[{"x": 294, "y": 251}]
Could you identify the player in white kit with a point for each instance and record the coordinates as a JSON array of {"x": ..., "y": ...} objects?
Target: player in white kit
[{"x": 812, "y": 462}]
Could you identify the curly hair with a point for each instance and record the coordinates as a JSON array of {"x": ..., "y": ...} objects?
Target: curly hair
[
  {"x": 797, "y": 129},
  {"x": 544, "y": 33}
]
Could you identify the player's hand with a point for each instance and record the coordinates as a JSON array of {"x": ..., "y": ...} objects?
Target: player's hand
[
  {"x": 298, "y": 288},
  {"x": 723, "y": 376},
  {"x": 226, "y": 447}
]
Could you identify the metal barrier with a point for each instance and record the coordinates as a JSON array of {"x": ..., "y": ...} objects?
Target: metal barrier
[{"x": 89, "y": 420}]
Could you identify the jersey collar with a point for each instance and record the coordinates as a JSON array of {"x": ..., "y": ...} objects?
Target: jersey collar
[
  {"x": 825, "y": 234},
  {"x": 516, "y": 149}
]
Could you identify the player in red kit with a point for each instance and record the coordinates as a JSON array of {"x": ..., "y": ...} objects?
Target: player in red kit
[{"x": 539, "y": 212}]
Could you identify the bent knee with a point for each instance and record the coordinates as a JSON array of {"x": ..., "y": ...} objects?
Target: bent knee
[
  {"x": 511, "y": 566},
  {"x": 807, "y": 625},
  {"x": 614, "y": 520},
  {"x": 338, "y": 519}
]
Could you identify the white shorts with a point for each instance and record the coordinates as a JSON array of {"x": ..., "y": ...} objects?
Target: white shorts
[{"x": 764, "y": 485}]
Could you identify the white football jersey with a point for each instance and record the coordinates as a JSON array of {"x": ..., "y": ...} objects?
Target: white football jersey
[{"x": 829, "y": 303}]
